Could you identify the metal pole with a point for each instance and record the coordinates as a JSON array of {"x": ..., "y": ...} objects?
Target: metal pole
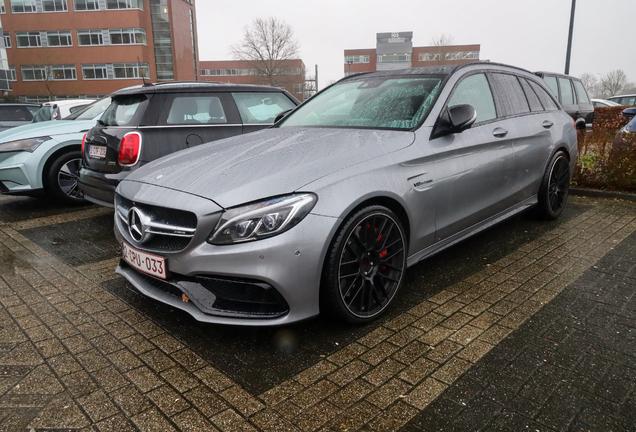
[
  {"x": 316, "y": 78},
  {"x": 569, "y": 51}
]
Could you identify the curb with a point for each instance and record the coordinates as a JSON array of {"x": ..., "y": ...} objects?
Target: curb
[{"x": 596, "y": 193}]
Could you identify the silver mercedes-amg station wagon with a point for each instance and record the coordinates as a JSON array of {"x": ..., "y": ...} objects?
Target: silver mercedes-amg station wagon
[{"x": 326, "y": 210}]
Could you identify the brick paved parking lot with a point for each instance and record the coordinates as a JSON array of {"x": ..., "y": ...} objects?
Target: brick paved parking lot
[{"x": 528, "y": 326}]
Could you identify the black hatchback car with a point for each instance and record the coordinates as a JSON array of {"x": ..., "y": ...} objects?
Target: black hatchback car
[
  {"x": 147, "y": 122},
  {"x": 572, "y": 96}
]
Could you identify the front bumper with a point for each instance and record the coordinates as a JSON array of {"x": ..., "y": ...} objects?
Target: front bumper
[
  {"x": 14, "y": 174},
  {"x": 286, "y": 267}
]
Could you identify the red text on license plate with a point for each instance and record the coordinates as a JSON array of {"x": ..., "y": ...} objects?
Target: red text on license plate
[{"x": 145, "y": 262}]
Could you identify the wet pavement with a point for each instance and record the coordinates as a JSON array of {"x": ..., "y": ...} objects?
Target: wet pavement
[{"x": 527, "y": 326}]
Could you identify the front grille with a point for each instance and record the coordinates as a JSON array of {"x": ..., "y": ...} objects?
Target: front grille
[{"x": 172, "y": 229}]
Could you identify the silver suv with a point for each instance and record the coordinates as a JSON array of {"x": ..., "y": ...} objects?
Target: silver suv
[{"x": 327, "y": 209}]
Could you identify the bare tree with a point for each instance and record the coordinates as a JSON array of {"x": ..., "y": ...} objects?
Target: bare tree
[
  {"x": 266, "y": 46},
  {"x": 613, "y": 82},
  {"x": 589, "y": 81},
  {"x": 442, "y": 44}
]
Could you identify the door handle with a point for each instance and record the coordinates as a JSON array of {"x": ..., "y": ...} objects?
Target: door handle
[
  {"x": 500, "y": 132},
  {"x": 547, "y": 124}
]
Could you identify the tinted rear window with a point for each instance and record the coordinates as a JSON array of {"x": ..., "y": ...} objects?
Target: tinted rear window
[
  {"x": 14, "y": 113},
  {"x": 261, "y": 107},
  {"x": 581, "y": 93},
  {"x": 567, "y": 95},
  {"x": 546, "y": 100},
  {"x": 533, "y": 99},
  {"x": 122, "y": 110},
  {"x": 552, "y": 83},
  {"x": 509, "y": 97}
]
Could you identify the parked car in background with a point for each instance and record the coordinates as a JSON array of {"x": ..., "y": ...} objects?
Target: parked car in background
[
  {"x": 603, "y": 103},
  {"x": 625, "y": 138},
  {"x": 327, "y": 209},
  {"x": 572, "y": 96},
  {"x": 57, "y": 110},
  {"x": 42, "y": 159},
  {"x": 148, "y": 122},
  {"x": 16, "y": 114},
  {"x": 626, "y": 100}
]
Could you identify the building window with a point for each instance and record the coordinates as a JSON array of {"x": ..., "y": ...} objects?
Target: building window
[
  {"x": 228, "y": 72},
  {"x": 33, "y": 73},
  {"x": 394, "y": 58},
  {"x": 7, "y": 40},
  {"x": 94, "y": 71},
  {"x": 130, "y": 70},
  {"x": 298, "y": 88},
  {"x": 90, "y": 37},
  {"x": 2, "y": 8},
  {"x": 357, "y": 59},
  {"x": 28, "y": 39},
  {"x": 127, "y": 36},
  {"x": 63, "y": 72},
  {"x": 59, "y": 38},
  {"x": 455, "y": 55},
  {"x": 161, "y": 38},
  {"x": 23, "y": 6},
  {"x": 194, "y": 49},
  {"x": 124, "y": 4},
  {"x": 86, "y": 5},
  {"x": 54, "y": 5},
  {"x": 12, "y": 74}
]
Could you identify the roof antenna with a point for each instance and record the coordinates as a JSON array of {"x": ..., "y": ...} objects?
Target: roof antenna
[{"x": 142, "y": 76}]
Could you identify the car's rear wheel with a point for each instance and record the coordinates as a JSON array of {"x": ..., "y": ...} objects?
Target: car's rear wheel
[
  {"x": 365, "y": 265},
  {"x": 61, "y": 179},
  {"x": 555, "y": 187}
]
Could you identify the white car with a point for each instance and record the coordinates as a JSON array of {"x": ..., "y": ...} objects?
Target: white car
[
  {"x": 603, "y": 103},
  {"x": 56, "y": 110}
]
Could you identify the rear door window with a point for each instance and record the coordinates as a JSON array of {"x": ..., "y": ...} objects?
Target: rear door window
[
  {"x": 199, "y": 109},
  {"x": 261, "y": 107},
  {"x": 533, "y": 99},
  {"x": 546, "y": 100},
  {"x": 509, "y": 96},
  {"x": 474, "y": 90},
  {"x": 581, "y": 93},
  {"x": 567, "y": 95}
]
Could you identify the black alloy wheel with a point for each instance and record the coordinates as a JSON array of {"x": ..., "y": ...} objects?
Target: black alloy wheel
[
  {"x": 61, "y": 179},
  {"x": 555, "y": 187},
  {"x": 366, "y": 264},
  {"x": 67, "y": 179}
]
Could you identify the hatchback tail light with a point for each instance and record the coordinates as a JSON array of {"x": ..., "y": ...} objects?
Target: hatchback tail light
[
  {"x": 129, "y": 148},
  {"x": 83, "y": 143}
]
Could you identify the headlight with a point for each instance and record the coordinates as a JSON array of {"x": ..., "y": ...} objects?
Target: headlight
[
  {"x": 29, "y": 144},
  {"x": 262, "y": 219}
]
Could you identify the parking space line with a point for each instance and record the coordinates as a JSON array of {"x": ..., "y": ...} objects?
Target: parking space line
[{"x": 109, "y": 363}]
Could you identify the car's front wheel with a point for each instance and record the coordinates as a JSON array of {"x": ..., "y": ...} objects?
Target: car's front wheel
[
  {"x": 61, "y": 179},
  {"x": 365, "y": 265},
  {"x": 555, "y": 187}
]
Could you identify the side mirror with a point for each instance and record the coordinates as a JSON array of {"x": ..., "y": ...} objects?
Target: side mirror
[
  {"x": 629, "y": 112},
  {"x": 455, "y": 119}
]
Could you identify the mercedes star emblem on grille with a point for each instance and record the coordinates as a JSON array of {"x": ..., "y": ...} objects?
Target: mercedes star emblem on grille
[{"x": 137, "y": 225}]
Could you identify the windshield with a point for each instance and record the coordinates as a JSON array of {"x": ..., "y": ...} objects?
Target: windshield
[
  {"x": 374, "y": 102},
  {"x": 90, "y": 112}
]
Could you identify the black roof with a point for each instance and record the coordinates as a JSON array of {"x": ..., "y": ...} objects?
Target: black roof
[{"x": 193, "y": 87}]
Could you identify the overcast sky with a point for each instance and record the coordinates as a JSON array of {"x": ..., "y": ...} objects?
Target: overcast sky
[{"x": 530, "y": 34}]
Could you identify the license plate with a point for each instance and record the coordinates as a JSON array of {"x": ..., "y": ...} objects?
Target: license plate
[
  {"x": 97, "y": 152},
  {"x": 145, "y": 262}
]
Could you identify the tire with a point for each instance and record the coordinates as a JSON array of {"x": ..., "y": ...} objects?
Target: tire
[
  {"x": 555, "y": 187},
  {"x": 365, "y": 265},
  {"x": 61, "y": 179}
]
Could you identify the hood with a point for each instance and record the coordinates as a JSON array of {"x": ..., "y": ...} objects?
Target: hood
[
  {"x": 47, "y": 128},
  {"x": 267, "y": 163}
]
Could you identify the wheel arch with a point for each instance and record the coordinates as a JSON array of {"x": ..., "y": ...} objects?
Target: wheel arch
[{"x": 53, "y": 156}]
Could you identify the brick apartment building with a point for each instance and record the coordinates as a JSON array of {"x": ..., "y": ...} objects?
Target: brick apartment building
[
  {"x": 291, "y": 76},
  {"x": 396, "y": 51},
  {"x": 5, "y": 74},
  {"x": 85, "y": 48}
]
